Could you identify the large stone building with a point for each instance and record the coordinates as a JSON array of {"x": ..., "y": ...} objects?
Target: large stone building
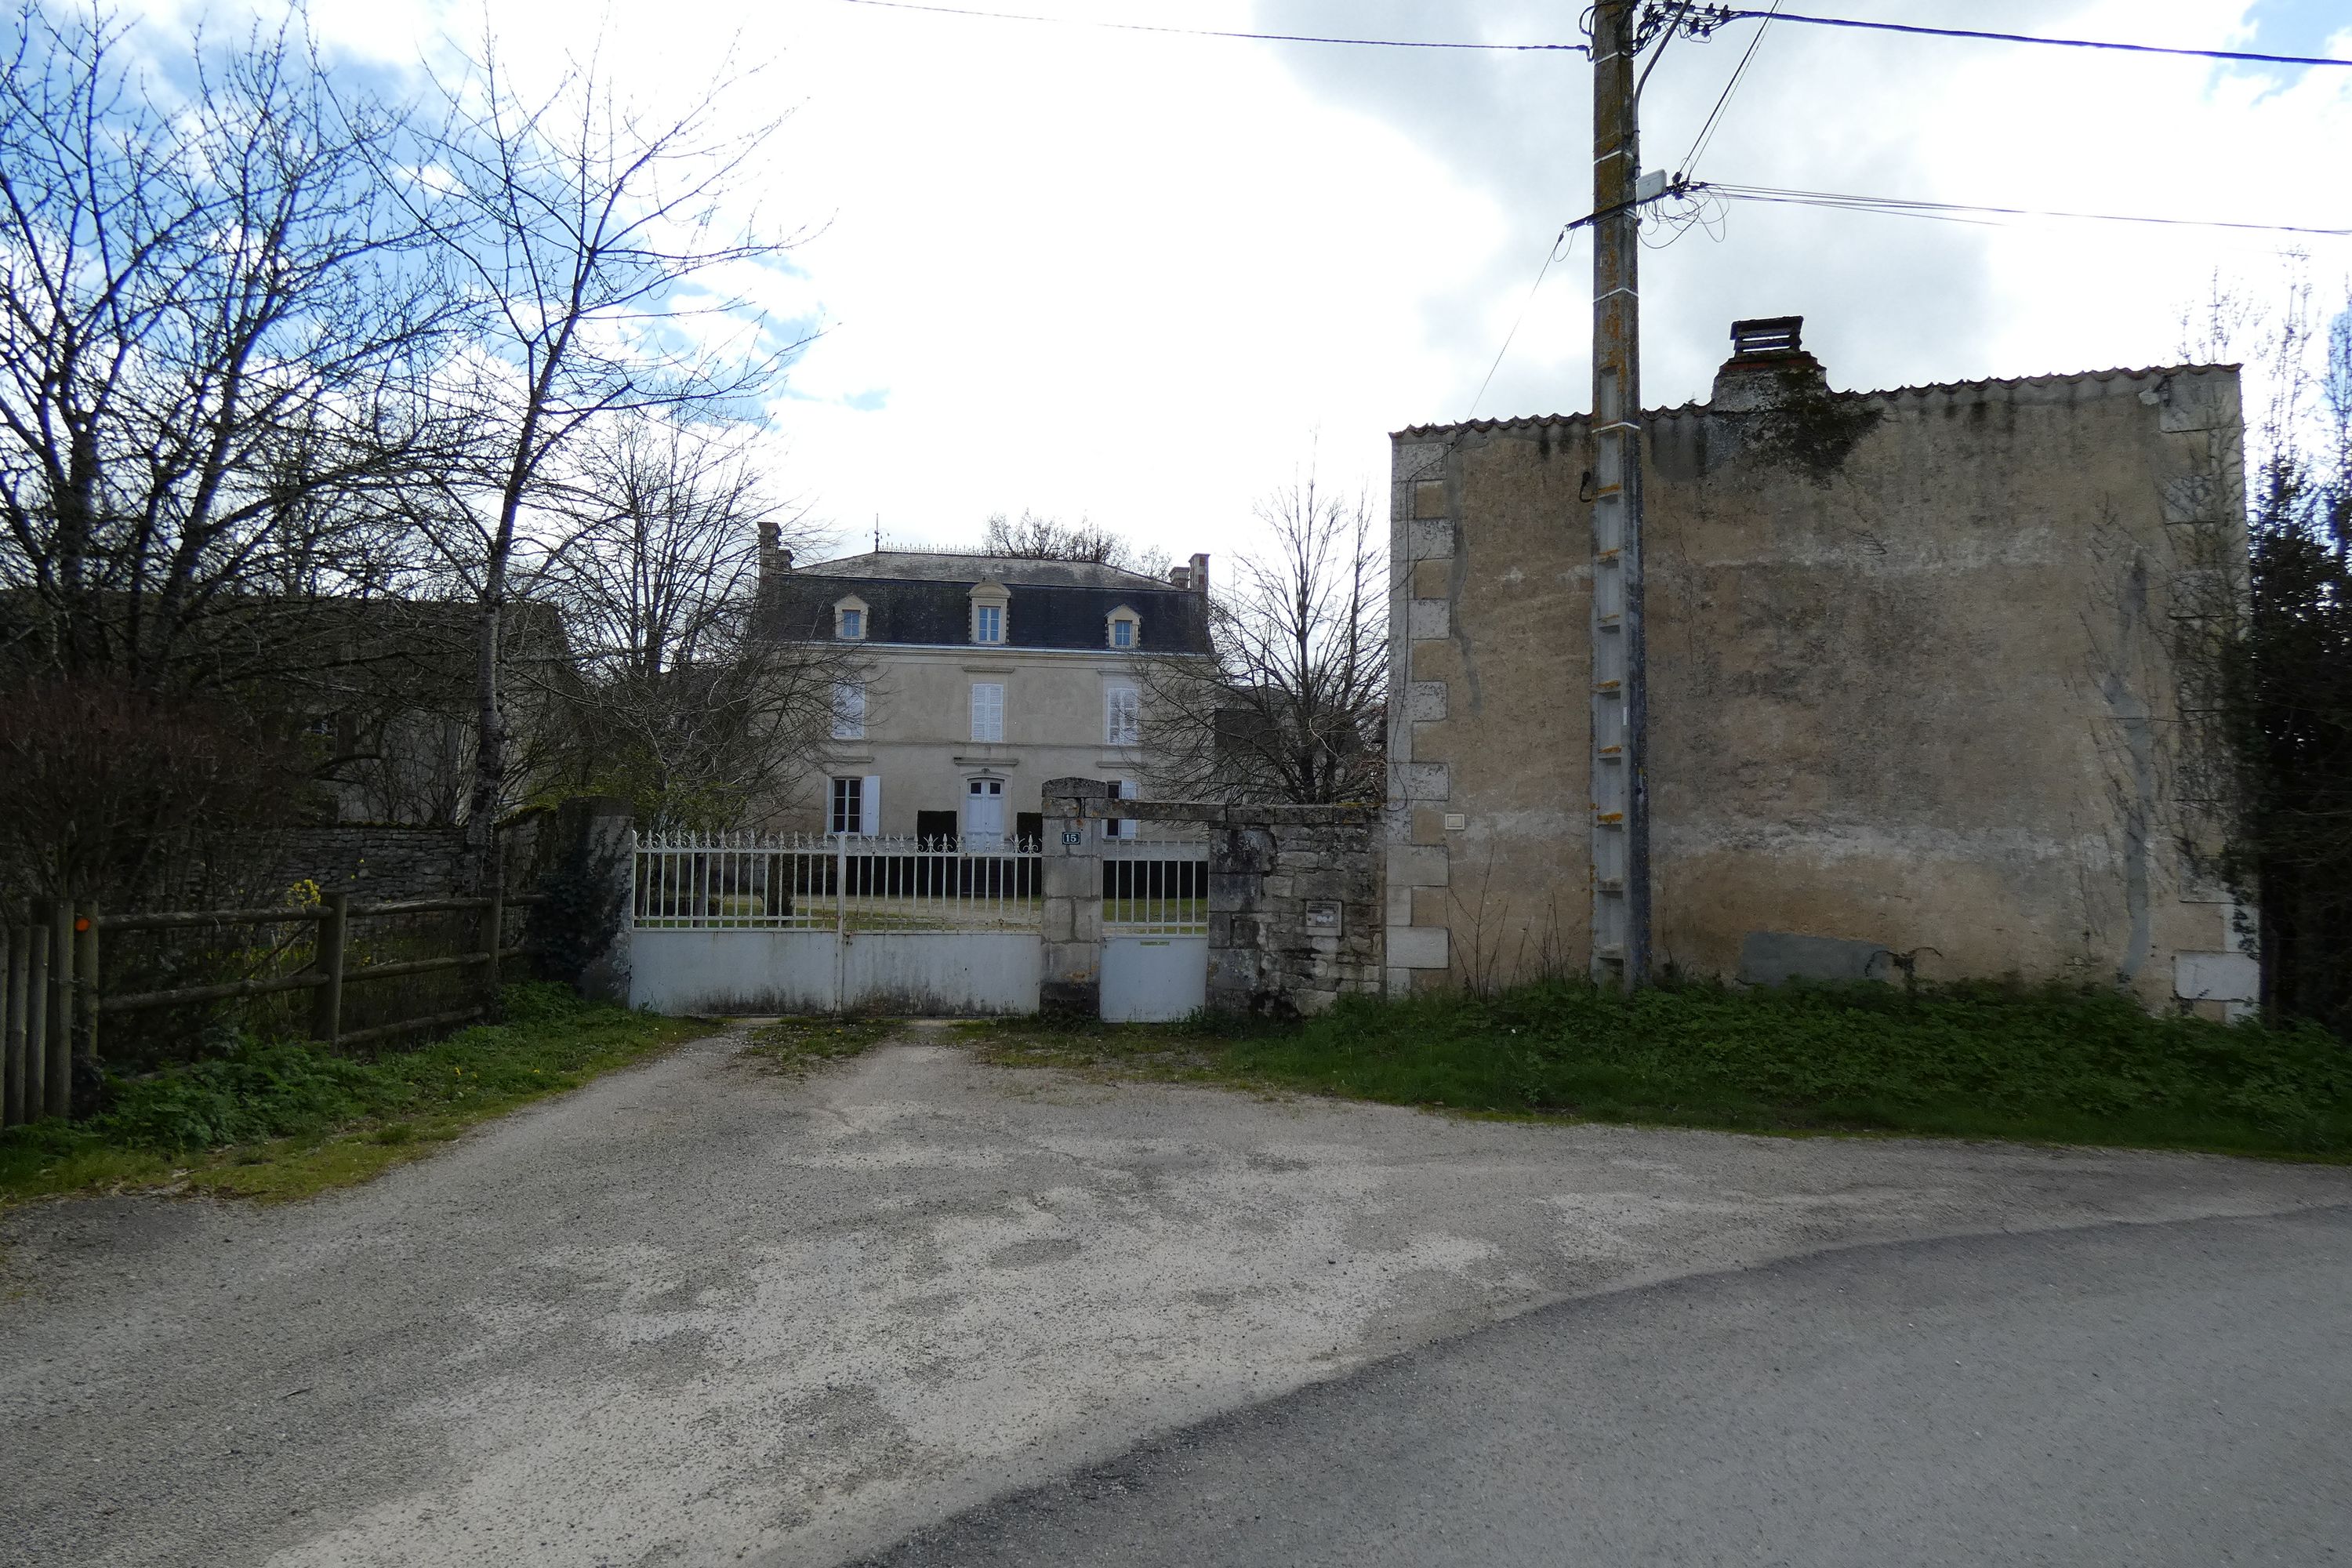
[
  {"x": 983, "y": 676},
  {"x": 1932, "y": 684}
]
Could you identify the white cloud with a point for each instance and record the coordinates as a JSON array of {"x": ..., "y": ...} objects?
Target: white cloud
[{"x": 1131, "y": 276}]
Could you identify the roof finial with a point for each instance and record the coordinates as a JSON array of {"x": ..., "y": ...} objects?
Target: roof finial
[{"x": 878, "y": 533}]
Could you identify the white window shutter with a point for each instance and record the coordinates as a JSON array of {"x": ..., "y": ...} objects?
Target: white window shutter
[{"x": 871, "y": 802}]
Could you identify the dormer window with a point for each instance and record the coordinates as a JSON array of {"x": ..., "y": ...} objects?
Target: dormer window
[
  {"x": 991, "y": 612},
  {"x": 1125, "y": 628},
  {"x": 849, "y": 620}
]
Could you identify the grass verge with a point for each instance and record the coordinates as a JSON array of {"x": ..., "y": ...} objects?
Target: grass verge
[
  {"x": 1973, "y": 1061},
  {"x": 287, "y": 1119}
]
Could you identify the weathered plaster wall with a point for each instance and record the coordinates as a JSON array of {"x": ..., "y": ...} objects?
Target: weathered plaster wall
[
  {"x": 1490, "y": 667},
  {"x": 1942, "y": 702}
]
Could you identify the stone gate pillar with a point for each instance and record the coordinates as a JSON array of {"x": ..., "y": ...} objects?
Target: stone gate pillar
[{"x": 1072, "y": 882}]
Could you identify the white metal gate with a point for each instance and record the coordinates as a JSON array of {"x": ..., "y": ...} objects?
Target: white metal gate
[
  {"x": 754, "y": 923},
  {"x": 1155, "y": 951}
]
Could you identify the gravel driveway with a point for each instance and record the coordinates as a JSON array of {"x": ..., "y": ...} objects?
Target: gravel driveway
[{"x": 698, "y": 1312}]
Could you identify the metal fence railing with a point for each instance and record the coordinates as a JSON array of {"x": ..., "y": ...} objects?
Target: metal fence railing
[
  {"x": 1156, "y": 887},
  {"x": 792, "y": 881}
]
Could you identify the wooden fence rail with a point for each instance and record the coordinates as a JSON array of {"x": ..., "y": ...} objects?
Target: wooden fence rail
[{"x": 51, "y": 998}]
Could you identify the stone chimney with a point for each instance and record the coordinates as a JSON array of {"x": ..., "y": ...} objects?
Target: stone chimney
[
  {"x": 1197, "y": 578},
  {"x": 1768, "y": 361},
  {"x": 1179, "y": 576},
  {"x": 775, "y": 561}
]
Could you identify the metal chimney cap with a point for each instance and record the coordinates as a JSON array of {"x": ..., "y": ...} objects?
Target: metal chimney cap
[{"x": 1767, "y": 335}]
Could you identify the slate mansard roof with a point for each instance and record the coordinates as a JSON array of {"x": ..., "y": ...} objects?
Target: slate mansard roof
[{"x": 922, "y": 598}]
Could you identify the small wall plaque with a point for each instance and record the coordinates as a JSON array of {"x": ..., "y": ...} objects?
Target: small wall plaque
[
  {"x": 1456, "y": 821},
  {"x": 1074, "y": 838},
  {"x": 1323, "y": 917}
]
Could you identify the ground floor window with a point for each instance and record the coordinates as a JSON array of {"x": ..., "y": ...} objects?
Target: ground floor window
[
  {"x": 849, "y": 805},
  {"x": 1121, "y": 827}
]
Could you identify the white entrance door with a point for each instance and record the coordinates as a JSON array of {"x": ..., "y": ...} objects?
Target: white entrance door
[{"x": 984, "y": 813}]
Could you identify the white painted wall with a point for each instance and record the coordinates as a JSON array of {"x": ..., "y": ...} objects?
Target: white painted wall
[
  {"x": 1153, "y": 979},
  {"x": 923, "y": 974}
]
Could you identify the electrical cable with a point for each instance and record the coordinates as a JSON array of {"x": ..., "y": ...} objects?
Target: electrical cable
[
  {"x": 1705, "y": 131},
  {"x": 1220, "y": 33},
  {"x": 2249, "y": 56},
  {"x": 1967, "y": 212},
  {"x": 1718, "y": 14},
  {"x": 1556, "y": 254}
]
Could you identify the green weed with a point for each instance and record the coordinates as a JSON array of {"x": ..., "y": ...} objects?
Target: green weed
[
  {"x": 287, "y": 1117},
  {"x": 1983, "y": 1061}
]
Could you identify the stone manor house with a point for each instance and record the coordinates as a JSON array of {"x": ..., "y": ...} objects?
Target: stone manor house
[
  {"x": 1933, "y": 683},
  {"x": 985, "y": 676}
]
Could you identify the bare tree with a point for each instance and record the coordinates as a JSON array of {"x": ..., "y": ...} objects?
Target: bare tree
[
  {"x": 1035, "y": 538},
  {"x": 579, "y": 228},
  {"x": 688, "y": 706},
  {"x": 209, "y": 317},
  {"x": 1290, "y": 704}
]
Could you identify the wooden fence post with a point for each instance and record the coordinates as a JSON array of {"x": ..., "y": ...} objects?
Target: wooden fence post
[
  {"x": 58, "y": 1086},
  {"x": 494, "y": 923},
  {"x": 14, "y": 952},
  {"x": 86, "y": 971},
  {"x": 37, "y": 1013},
  {"x": 327, "y": 1001}
]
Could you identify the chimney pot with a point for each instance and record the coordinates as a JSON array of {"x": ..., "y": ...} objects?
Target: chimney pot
[{"x": 1767, "y": 363}]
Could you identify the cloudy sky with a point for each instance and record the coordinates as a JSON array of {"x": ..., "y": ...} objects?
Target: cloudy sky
[{"x": 1142, "y": 278}]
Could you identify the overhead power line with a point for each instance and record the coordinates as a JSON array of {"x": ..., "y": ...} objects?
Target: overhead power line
[
  {"x": 1689, "y": 164},
  {"x": 1965, "y": 212},
  {"x": 1566, "y": 237},
  {"x": 1222, "y": 33},
  {"x": 2249, "y": 56},
  {"x": 1719, "y": 14}
]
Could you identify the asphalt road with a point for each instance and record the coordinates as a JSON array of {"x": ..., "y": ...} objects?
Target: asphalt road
[
  {"x": 2144, "y": 1394},
  {"x": 698, "y": 1312}
]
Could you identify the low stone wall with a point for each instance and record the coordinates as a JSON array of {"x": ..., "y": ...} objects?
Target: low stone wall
[{"x": 375, "y": 862}]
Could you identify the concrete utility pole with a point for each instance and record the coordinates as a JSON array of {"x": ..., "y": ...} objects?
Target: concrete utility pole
[{"x": 1620, "y": 825}]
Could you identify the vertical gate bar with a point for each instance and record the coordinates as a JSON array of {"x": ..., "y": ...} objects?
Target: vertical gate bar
[{"x": 840, "y": 920}]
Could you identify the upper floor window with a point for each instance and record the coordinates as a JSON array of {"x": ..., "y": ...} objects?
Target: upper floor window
[
  {"x": 987, "y": 711},
  {"x": 1125, "y": 628},
  {"x": 991, "y": 612},
  {"x": 848, "y": 711},
  {"x": 1122, "y": 716},
  {"x": 849, "y": 620}
]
